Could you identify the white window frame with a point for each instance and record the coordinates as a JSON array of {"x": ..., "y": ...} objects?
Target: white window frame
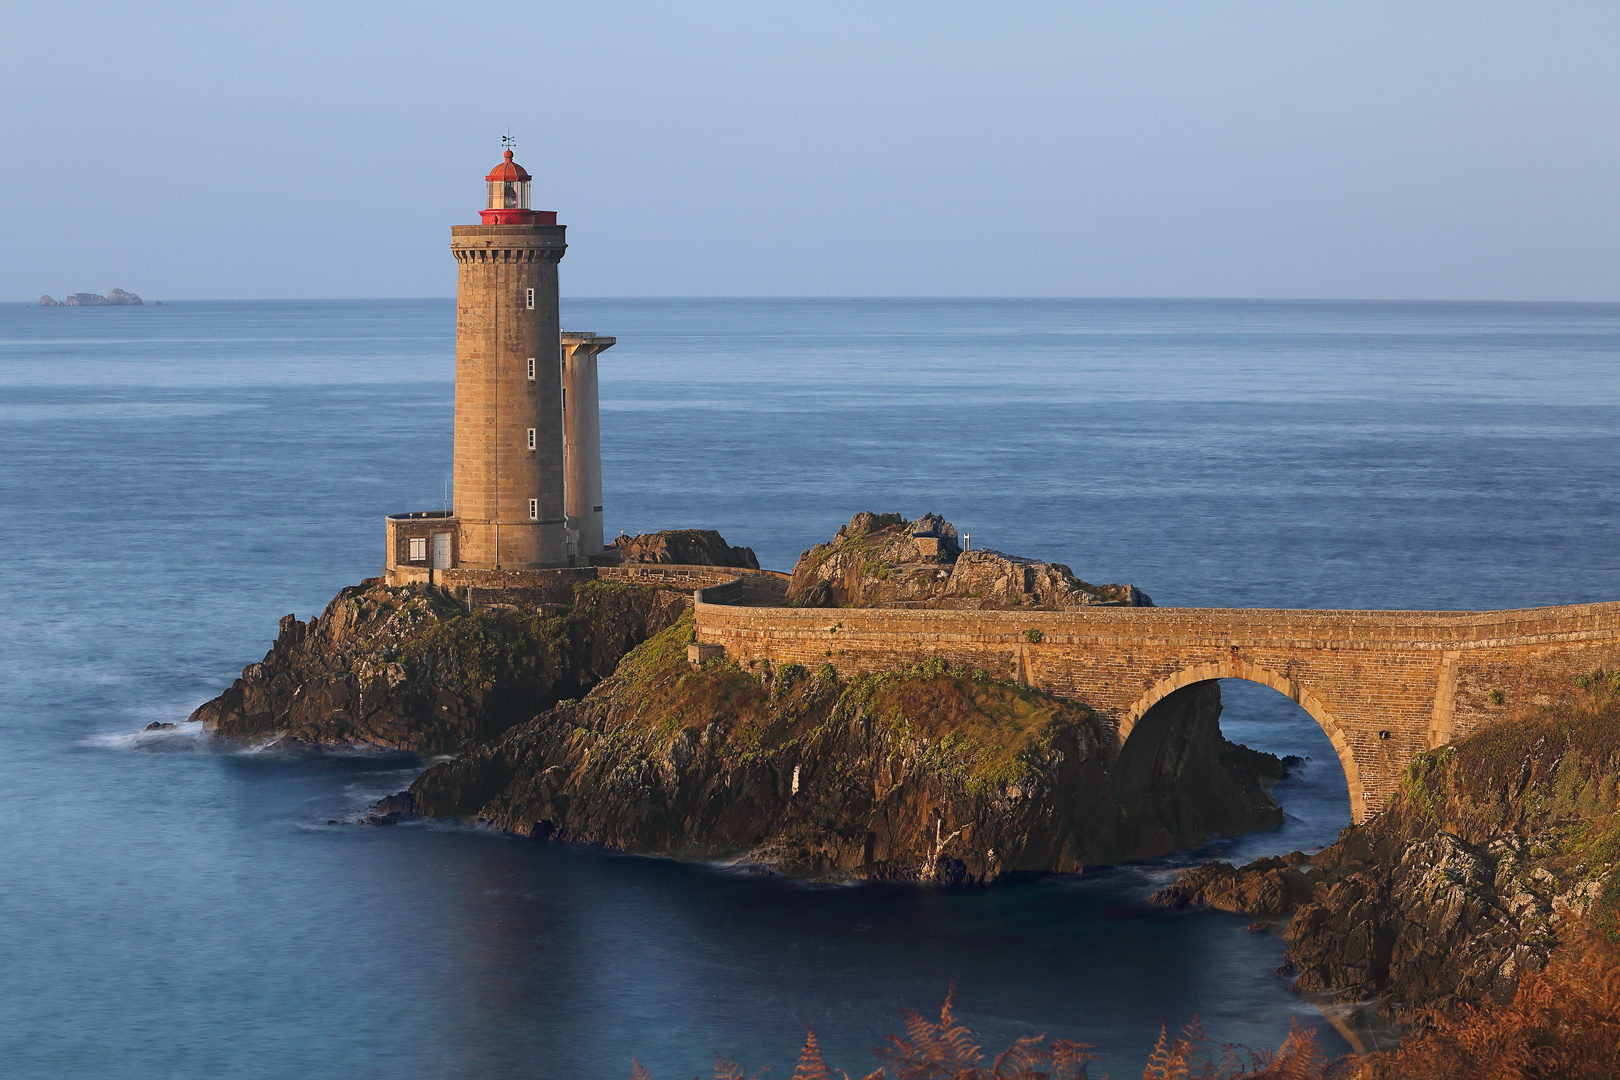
[
  {"x": 531, "y": 369},
  {"x": 531, "y": 299},
  {"x": 416, "y": 549},
  {"x": 534, "y": 509},
  {"x": 531, "y": 438}
]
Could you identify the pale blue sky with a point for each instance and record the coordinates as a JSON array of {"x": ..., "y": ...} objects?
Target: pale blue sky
[{"x": 1409, "y": 150}]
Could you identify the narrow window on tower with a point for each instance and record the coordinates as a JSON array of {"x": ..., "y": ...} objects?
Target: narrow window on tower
[
  {"x": 531, "y": 438},
  {"x": 534, "y": 509},
  {"x": 531, "y": 299},
  {"x": 531, "y": 369}
]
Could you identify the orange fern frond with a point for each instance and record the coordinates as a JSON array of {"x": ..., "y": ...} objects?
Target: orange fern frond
[
  {"x": 638, "y": 1071},
  {"x": 1069, "y": 1059},
  {"x": 1165, "y": 1062},
  {"x": 954, "y": 1036},
  {"x": 945, "y": 1049},
  {"x": 1022, "y": 1057},
  {"x": 811, "y": 1064},
  {"x": 726, "y": 1069},
  {"x": 1300, "y": 1057}
]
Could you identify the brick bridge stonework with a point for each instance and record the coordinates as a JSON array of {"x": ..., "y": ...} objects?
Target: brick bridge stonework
[{"x": 1383, "y": 685}]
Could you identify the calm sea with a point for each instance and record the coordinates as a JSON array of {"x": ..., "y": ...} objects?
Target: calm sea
[{"x": 175, "y": 479}]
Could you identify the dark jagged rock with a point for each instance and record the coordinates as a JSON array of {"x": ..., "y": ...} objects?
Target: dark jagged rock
[
  {"x": 882, "y": 560},
  {"x": 392, "y": 810},
  {"x": 1492, "y": 852},
  {"x": 928, "y": 773},
  {"x": 403, "y": 804},
  {"x": 1266, "y": 888},
  {"x": 689, "y": 547},
  {"x": 410, "y": 668},
  {"x": 158, "y": 725}
]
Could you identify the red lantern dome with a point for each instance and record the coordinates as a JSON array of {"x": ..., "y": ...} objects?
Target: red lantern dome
[{"x": 509, "y": 197}]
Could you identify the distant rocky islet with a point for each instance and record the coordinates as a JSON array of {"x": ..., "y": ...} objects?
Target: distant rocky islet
[{"x": 115, "y": 298}]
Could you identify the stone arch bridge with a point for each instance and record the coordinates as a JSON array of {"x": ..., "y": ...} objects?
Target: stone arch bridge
[{"x": 1383, "y": 685}]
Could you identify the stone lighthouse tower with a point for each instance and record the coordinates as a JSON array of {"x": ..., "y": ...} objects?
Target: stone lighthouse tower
[
  {"x": 508, "y": 471},
  {"x": 527, "y": 457}
]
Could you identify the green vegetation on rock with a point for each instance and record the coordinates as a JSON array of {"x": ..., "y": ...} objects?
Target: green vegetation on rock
[
  {"x": 925, "y": 771},
  {"x": 1493, "y": 852}
]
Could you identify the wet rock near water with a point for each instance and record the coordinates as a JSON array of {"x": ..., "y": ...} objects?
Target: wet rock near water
[
  {"x": 1266, "y": 888},
  {"x": 1444, "y": 922},
  {"x": 1466, "y": 881},
  {"x": 392, "y": 810}
]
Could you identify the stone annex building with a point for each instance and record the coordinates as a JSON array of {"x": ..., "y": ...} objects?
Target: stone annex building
[{"x": 527, "y": 525}]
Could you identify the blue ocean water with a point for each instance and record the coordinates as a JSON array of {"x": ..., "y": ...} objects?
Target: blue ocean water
[{"x": 177, "y": 478}]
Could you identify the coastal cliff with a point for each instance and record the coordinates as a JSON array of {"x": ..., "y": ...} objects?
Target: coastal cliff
[
  {"x": 586, "y": 721},
  {"x": 926, "y": 773},
  {"x": 1495, "y": 850},
  {"x": 410, "y": 668}
]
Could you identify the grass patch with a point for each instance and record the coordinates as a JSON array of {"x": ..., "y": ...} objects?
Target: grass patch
[{"x": 971, "y": 728}]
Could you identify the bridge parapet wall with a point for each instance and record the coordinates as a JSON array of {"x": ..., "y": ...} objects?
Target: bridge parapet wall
[{"x": 1384, "y": 685}]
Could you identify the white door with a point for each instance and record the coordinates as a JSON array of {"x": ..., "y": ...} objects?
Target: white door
[{"x": 441, "y": 551}]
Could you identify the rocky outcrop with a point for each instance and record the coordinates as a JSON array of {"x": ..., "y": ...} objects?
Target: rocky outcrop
[
  {"x": 881, "y": 560},
  {"x": 409, "y": 667},
  {"x": 116, "y": 298},
  {"x": 1264, "y": 889},
  {"x": 688, "y": 547},
  {"x": 1493, "y": 852},
  {"x": 997, "y": 580},
  {"x": 927, "y": 773}
]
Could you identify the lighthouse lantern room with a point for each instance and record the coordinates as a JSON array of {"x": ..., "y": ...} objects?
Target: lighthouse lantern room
[{"x": 508, "y": 194}]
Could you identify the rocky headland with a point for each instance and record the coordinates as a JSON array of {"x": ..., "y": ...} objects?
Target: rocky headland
[
  {"x": 587, "y": 722},
  {"x": 928, "y": 772},
  {"x": 412, "y": 668},
  {"x": 1495, "y": 850}
]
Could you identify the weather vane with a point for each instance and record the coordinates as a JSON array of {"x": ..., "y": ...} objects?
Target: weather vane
[{"x": 507, "y": 142}]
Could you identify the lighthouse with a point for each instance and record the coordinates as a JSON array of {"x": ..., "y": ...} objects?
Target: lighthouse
[{"x": 524, "y": 497}]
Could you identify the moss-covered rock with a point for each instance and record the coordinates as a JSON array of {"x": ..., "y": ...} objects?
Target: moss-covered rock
[
  {"x": 928, "y": 772},
  {"x": 1494, "y": 850}
]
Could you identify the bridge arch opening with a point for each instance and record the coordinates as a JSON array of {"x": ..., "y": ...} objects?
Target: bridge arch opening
[{"x": 1143, "y": 727}]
